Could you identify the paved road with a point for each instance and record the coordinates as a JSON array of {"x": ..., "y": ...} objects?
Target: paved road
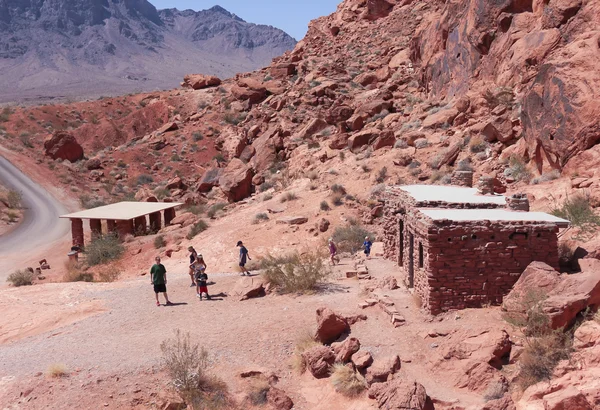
[{"x": 40, "y": 225}]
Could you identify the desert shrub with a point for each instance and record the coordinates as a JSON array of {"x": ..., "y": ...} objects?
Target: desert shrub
[
  {"x": 365, "y": 168},
  {"x": 578, "y": 210},
  {"x": 25, "y": 139},
  {"x": 477, "y": 145},
  {"x": 401, "y": 144},
  {"x": 288, "y": 196},
  {"x": 57, "y": 370},
  {"x": 347, "y": 381},
  {"x": 212, "y": 211},
  {"x": 260, "y": 217},
  {"x": 104, "y": 249},
  {"x": 377, "y": 190},
  {"x": 464, "y": 165},
  {"x": 197, "y": 136},
  {"x": 548, "y": 176},
  {"x": 198, "y": 227},
  {"x": 421, "y": 143},
  {"x": 186, "y": 364},
  {"x": 517, "y": 169},
  {"x": 382, "y": 175},
  {"x": 304, "y": 342},
  {"x": 196, "y": 209},
  {"x": 14, "y": 198},
  {"x": 75, "y": 272},
  {"x": 313, "y": 175},
  {"x": 438, "y": 176},
  {"x": 21, "y": 278},
  {"x": 88, "y": 202},
  {"x": 295, "y": 272},
  {"x": 336, "y": 199},
  {"x": 12, "y": 216},
  {"x": 351, "y": 237},
  {"x": 338, "y": 189},
  {"x": 324, "y": 206},
  {"x": 235, "y": 118},
  {"x": 258, "y": 392},
  {"x": 342, "y": 156},
  {"x": 110, "y": 273},
  {"x": 494, "y": 391},
  {"x": 544, "y": 346},
  {"x": 162, "y": 192},
  {"x": 498, "y": 96},
  {"x": 144, "y": 179},
  {"x": 159, "y": 242},
  {"x": 267, "y": 197},
  {"x": 265, "y": 186}
]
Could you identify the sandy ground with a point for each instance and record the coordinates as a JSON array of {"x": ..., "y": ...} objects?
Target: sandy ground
[{"x": 103, "y": 331}]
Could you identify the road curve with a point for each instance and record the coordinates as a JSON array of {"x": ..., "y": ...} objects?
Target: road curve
[{"x": 40, "y": 224}]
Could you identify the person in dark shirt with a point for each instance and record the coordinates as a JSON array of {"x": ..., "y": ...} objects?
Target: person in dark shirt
[
  {"x": 158, "y": 278},
  {"x": 244, "y": 257},
  {"x": 201, "y": 279},
  {"x": 333, "y": 258},
  {"x": 367, "y": 245},
  {"x": 193, "y": 257}
]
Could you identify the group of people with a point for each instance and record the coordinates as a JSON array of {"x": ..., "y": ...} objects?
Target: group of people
[
  {"x": 333, "y": 258},
  {"x": 197, "y": 272}
]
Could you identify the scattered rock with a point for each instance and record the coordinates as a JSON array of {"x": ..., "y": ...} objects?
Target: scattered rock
[
  {"x": 63, "y": 145},
  {"x": 388, "y": 283},
  {"x": 330, "y": 326},
  {"x": 209, "y": 180},
  {"x": 324, "y": 225},
  {"x": 236, "y": 180},
  {"x": 200, "y": 81},
  {"x": 248, "y": 287},
  {"x": 382, "y": 369},
  {"x": 293, "y": 220},
  {"x": 400, "y": 394},
  {"x": 344, "y": 350},
  {"x": 278, "y": 399},
  {"x": 319, "y": 360},
  {"x": 362, "y": 359}
]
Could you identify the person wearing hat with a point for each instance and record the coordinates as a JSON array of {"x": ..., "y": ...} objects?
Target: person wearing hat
[
  {"x": 194, "y": 256},
  {"x": 367, "y": 245},
  {"x": 332, "y": 251},
  {"x": 244, "y": 257}
]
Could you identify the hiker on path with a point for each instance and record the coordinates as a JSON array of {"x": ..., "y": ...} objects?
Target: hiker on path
[
  {"x": 158, "y": 278},
  {"x": 244, "y": 257},
  {"x": 367, "y": 244},
  {"x": 193, "y": 257},
  {"x": 201, "y": 279},
  {"x": 332, "y": 251}
]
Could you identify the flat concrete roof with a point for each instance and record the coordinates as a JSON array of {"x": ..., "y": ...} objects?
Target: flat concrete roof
[
  {"x": 123, "y": 211},
  {"x": 451, "y": 194},
  {"x": 494, "y": 215}
]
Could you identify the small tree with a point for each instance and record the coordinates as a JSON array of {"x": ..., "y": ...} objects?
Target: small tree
[
  {"x": 295, "y": 272},
  {"x": 350, "y": 238},
  {"x": 104, "y": 249}
]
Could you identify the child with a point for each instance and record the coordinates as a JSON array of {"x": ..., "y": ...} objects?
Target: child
[
  {"x": 158, "y": 278},
  {"x": 244, "y": 256},
  {"x": 367, "y": 245},
  {"x": 201, "y": 279}
]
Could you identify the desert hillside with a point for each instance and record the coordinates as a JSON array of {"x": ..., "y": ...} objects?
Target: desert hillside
[{"x": 380, "y": 93}]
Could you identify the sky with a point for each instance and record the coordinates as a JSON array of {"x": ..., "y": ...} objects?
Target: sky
[{"x": 292, "y": 16}]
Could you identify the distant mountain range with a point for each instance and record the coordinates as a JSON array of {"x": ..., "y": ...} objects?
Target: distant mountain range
[{"x": 86, "y": 48}]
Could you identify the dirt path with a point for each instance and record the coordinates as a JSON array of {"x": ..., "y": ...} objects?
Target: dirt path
[
  {"x": 115, "y": 329},
  {"x": 40, "y": 225}
]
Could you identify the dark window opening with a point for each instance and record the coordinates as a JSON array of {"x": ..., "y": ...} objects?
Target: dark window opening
[
  {"x": 449, "y": 239},
  {"x": 473, "y": 236},
  {"x": 515, "y": 235},
  {"x": 420, "y": 255}
]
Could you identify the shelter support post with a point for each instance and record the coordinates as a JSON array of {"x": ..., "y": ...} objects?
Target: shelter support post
[
  {"x": 155, "y": 222},
  {"x": 112, "y": 226},
  {"x": 169, "y": 216},
  {"x": 77, "y": 231}
]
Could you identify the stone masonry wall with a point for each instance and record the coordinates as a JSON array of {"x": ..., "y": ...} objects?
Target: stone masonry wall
[{"x": 474, "y": 263}]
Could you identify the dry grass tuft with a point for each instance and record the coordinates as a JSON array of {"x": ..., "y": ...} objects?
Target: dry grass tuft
[
  {"x": 347, "y": 381},
  {"x": 21, "y": 278},
  {"x": 57, "y": 370},
  {"x": 257, "y": 394},
  {"x": 304, "y": 342}
]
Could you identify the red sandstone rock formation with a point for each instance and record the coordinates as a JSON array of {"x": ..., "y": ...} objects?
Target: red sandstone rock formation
[{"x": 63, "y": 145}]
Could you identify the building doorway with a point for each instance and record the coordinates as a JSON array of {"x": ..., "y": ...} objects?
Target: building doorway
[
  {"x": 401, "y": 244},
  {"x": 411, "y": 261}
]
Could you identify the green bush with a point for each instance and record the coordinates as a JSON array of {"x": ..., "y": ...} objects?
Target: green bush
[
  {"x": 288, "y": 196},
  {"x": 159, "y": 242},
  {"x": 351, "y": 237},
  {"x": 578, "y": 211},
  {"x": 517, "y": 169},
  {"x": 295, "y": 272},
  {"x": 212, "y": 211},
  {"x": 104, "y": 249},
  {"x": 198, "y": 227},
  {"x": 325, "y": 206},
  {"x": 14, "y": 198},
  {"x": 21, "y": 278},
  {"x": 260, "y": 217},
  {"x": 144, "y": 179}
]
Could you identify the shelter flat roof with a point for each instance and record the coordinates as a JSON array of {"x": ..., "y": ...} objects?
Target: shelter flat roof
[
  {"x": 451, "y": 194},
  {"x": 123, "y": 211},
  {"x": 494, "y": 215}
]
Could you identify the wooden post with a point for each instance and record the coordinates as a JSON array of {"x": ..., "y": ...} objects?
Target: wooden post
[{"x": 77, "y": 231}]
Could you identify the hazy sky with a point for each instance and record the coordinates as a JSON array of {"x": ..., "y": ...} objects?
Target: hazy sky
[{"x": 291, "y": 16}]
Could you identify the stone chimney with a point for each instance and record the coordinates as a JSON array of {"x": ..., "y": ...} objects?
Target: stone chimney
[
  {"x": 518, "y": 202},
  {"x": 462, "y": 178},
  {"x": 485, "y": 186}
]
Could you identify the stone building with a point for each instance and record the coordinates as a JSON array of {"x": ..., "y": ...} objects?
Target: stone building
[{"x": 461, "y": 249}]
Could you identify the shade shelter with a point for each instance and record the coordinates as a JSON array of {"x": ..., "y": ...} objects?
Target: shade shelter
[{"x": 122, "y": 218}]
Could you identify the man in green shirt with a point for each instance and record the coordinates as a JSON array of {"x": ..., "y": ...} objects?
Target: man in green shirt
[{"x": 158, "y": 278}]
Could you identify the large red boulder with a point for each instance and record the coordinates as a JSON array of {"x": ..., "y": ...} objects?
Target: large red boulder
[
  {"x": 278, "y": 399},
  {"x": 200, "y": 81},
  {"x": 400, "y": 394},
  {"x": 344, "y": 350},
  {"x": 330, "y": 326},
  {"x": 562, "y": 297},
  {"x": 209, "y": 180},
  {"x": 63, "y": 145},
  {"x": 236, "y": 180}
]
